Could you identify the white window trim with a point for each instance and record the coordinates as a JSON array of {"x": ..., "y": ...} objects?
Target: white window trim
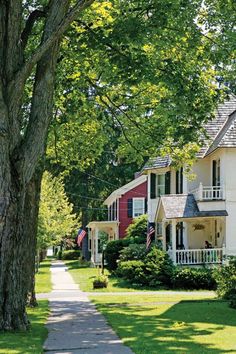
[
  {"x": 143, "y": 208},
  {"x": 160, "y": 185}
]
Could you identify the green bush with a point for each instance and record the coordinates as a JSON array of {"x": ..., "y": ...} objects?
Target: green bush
[
  {"x": 112, "y": 253},
  {"x": 193, "y": 278},
  {"x": 133, "y": 271},
  {"x": 70, "y": 254},
  {"x": 159, "y": 267},
  {"x": 137, "y": 231},
  {"x": 133, "y": 252},
  {"x": 226, "y": 282},
  {"x": 156, "y": 269}
]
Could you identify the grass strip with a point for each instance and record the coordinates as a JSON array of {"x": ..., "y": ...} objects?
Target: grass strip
[
  {"x": 30, "y": 342},
  {"x": 43, "y": 282}
]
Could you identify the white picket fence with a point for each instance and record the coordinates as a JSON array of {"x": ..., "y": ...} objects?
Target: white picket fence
[{"x": 199, "y": 256}]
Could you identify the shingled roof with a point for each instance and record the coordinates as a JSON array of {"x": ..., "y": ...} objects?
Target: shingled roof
[
  {"x": 181, "y": 206},
  {"x": 220, "y": 131}
]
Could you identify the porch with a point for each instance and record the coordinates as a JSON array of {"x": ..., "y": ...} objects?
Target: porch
[
  {"x": 207, "y": 193},
  {"x": 190, "y": 236},
  {"x": 98, "y": 233}
]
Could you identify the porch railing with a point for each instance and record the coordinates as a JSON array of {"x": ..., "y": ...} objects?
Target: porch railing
[
  {"x": 208, "y": 193},
  {"x": 199, "y": 256}
]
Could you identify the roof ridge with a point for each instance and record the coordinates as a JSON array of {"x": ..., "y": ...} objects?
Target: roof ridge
[{"x": 221, "y": 133}]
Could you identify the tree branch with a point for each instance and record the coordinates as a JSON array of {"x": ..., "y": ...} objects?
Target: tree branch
[
  {"x": 23, "y": 74},
  {"x": 29, "y": 25}
]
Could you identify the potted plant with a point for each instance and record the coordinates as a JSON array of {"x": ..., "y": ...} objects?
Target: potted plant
[{"x": 101, "y": 281}]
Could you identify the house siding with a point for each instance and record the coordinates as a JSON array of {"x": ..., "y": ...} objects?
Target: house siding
[{"x": 137, "y": 192}]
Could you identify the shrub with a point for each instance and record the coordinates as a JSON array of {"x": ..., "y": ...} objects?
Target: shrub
[
  {"x": 70, "y": 254},
  {"x": 112, "y": 253},
  {"x": 133, "y": 271},
  {"x": 137, "y": 231},
  {"x": 226, "y": 282},
  {"x": 100, "y": 282},
  {"x": 132, "y": 252},
  {"x": 192, "y": 278},
  {"x": 159, "y": 267}
]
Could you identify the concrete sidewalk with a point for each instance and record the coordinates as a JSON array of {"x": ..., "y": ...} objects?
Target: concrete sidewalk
[{"x": 75, "y": 326}]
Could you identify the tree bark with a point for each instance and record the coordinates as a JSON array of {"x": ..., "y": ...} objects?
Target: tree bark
[{"x": 20, "y": 153}]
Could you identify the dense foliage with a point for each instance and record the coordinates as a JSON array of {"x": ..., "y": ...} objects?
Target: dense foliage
[
  {"x": 137, "y": 231},
  {"x": 133, "y": 252},
  {"x": 56, "y": 217},
  {"x": 193, "y": 278},
  {"x": 225, "y": 278},
  {"x": 112, "y": 253},
  {"x": 71, "y": 254}
]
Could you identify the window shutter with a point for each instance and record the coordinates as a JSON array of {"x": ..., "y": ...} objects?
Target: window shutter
[
  {"x": 153, "y": 186},
  {"x": 181, "y": 180},
  {"x": 214, "y": 182},
  {"x": 177, "y": 182},
  {"x": 145, "y": 206},
  {"x": 130, "y": 208},
  {"x": 167, "y": 182}
]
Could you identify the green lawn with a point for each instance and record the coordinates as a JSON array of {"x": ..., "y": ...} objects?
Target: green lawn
[
  {"x": 85, "y": 276},
  {"x": 43, "y": 278},
  {"x": 171, "y": 325},
  {"x": 30, "y": 342}
]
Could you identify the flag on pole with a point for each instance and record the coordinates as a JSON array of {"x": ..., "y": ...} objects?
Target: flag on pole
[
  {"x": 150, "y": 232},
  {"x": 80, "y": 236}
]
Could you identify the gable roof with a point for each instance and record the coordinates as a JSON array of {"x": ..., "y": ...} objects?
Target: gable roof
[
  {"x": 126, "y": 188},
  {"x": 181, "y": 206},
  {"x": 221, "y": 132}
]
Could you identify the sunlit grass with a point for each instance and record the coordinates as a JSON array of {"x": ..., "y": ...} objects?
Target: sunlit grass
[
  {"x": 30, "y": 342},
  {"x": 43, "y": 282},
  {"x": 150, "y": 325}
]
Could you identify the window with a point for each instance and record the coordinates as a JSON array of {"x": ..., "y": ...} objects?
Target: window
[
  {"x": 160, "y": 185},
  {"x": 138, "y": 207},
  {"x": 216, "y": 173}
]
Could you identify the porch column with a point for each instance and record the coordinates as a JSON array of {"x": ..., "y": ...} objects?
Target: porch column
[
  {"x": 163, "y": 231},
  {"x": 174, "y": 241},
  {"x": 96, "y": 245},
  {"x": 185, "y": 235}
]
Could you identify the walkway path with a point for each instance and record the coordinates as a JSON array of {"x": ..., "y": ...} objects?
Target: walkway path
[{"x": 75, "y": 326}]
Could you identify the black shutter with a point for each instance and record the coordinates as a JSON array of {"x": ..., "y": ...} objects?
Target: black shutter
[
  {"x": 214, "y": 182},
  {"x": 130, "y": 208},
  {"x": 153, "y": 186},
  {"x": 167, "y": 182},
  {"x": 181, "y": 180},
  {"x": 177, "y": 182},
  {"x": 145, "y": 206}
]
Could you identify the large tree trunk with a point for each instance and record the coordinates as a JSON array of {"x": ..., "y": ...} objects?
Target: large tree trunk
[{"x": 19, "y": 157}]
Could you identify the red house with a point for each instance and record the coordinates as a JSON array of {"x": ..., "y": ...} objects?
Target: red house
[{"x": 124, "y": 204}]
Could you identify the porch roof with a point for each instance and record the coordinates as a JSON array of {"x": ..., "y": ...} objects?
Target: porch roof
[
  {"x": 98, "y": 224},
  {"x": 184, "y": 206}
]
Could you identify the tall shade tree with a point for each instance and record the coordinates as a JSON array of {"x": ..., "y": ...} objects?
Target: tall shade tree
[
  {"x": 147, "y": 67},
  {"x": 56, "y": 217}
]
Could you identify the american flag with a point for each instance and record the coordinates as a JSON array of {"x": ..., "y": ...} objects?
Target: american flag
[
  {"x": 150, "y": 232},
  {"x": 80, "y": 236}
]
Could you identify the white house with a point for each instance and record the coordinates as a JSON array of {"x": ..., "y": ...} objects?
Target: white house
[{"x": 188, "y": 213}]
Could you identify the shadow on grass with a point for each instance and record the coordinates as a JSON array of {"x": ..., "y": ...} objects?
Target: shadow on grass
[
  {"x": 186, "y": 327},
  {"x": 30, "y": 342},
  {"x": 75, "y": 265}
]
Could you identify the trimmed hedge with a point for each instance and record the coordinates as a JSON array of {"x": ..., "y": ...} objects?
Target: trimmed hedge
[
  {"x": 133, "y": 271},
  {"x": 192, "y": 278},
  {"x": 71, "y": 254}
]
